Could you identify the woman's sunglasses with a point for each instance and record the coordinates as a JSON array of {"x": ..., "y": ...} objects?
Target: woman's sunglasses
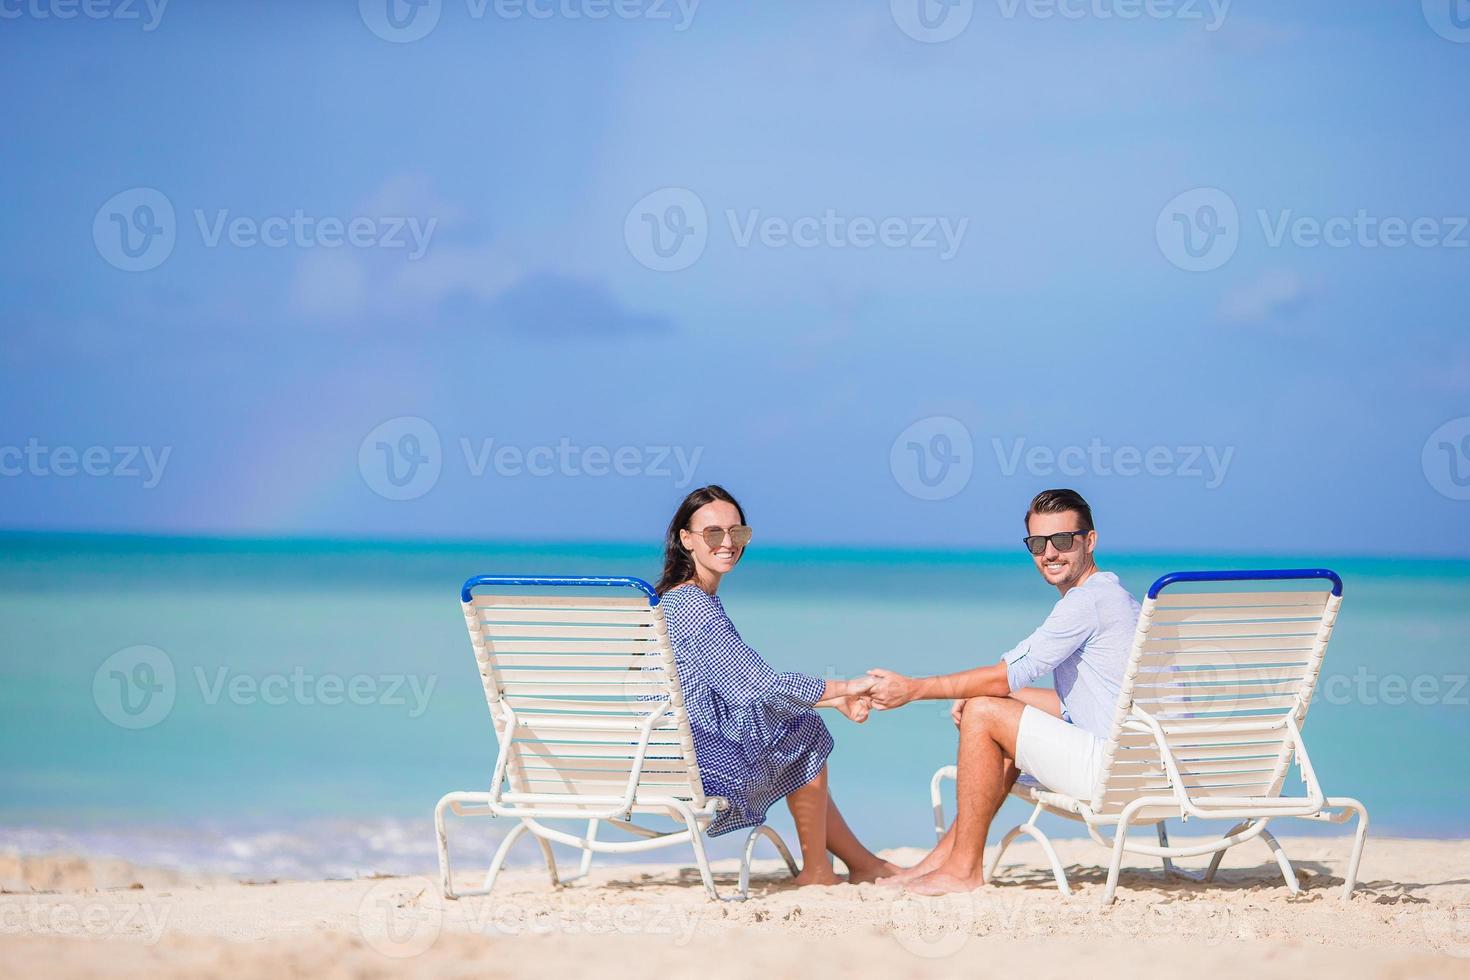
[
  {"x": 1062, "y": 541},
  {"x": 739, "y": 535}
]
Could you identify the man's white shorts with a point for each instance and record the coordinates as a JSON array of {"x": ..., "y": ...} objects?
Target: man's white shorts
[{"x": 1057, "y": 754}]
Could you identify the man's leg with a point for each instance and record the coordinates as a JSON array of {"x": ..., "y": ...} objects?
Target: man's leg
[
  {"x": 988, "y": 730},
  {"x": 1042, "y": 698}
]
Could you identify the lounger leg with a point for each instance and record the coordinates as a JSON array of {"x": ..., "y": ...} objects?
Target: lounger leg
[
  {"x": 1170, "y": 868},
  {"x": 1030, "y": 829},
  {"x": 937, "y": 801},
  {"x": 1116, "y": 866},
  {"x": 464, "y": 804},
  {"x": 586, "y": 865},
  {"x": 550, "y": 857},
  {"x": 1359, "y": 837},
  {"x": 1220, "y": 854},
  {"x": 446, "y": 884},
  {"x": 1287, "y": 871},
  {"x": 499, "y": 860},
  {"x": 702, "y": 860},
  {"x": 775, "y": 838}
]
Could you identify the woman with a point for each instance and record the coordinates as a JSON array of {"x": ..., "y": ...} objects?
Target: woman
[{"x": 756, "y": 737}]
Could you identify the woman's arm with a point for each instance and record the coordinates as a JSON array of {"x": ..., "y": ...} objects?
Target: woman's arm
[{"x": 838, "y": 690}]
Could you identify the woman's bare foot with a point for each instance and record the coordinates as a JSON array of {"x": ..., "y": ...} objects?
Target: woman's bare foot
[
  {"x": 818, "y": 876},
  {"x": 873, "y": 872},
  {"x": 942, "y": 882}
]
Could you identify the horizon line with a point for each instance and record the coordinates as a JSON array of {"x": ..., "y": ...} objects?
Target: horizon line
[{"x": 433, "y": 542}]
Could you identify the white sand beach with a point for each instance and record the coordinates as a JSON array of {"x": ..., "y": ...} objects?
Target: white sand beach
[{"x": 1409, "y": 918}]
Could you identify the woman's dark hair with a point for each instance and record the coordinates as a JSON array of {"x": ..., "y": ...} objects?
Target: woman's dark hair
[{"x": 678, "y": 562}]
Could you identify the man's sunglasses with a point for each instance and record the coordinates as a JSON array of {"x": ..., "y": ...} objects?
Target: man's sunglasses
[
  {"x": 739, "y": 535},
  {"x": 1062, "y": 541}
]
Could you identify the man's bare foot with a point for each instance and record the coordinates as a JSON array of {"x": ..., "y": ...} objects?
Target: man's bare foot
[
  {"x": 903, "y": 876},
  {"x": 873, "y": 872},
  {"x": 818, "y": 876},
  {"x": 941, "y": 882}
]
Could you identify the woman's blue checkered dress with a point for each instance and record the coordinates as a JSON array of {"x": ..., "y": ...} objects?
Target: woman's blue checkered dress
[{"x": 756, "y": 736}]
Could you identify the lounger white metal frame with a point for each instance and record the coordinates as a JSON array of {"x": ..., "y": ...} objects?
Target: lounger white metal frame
[
  {"x": 1208, "y": 724},
  {"x": 590, "y": 719}
]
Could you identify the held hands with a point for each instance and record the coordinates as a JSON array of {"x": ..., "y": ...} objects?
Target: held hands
[
  {"x": 855, "y": 707},
  {"x": 890, "y": 690},
  {"x": 855, "y": 703}
]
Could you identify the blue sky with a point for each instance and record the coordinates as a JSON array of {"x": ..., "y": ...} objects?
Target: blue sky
[{"x": 1295, "y": 396}]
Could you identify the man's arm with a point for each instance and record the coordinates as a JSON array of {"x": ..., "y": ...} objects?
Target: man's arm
[
  {"x": 892, "y": 690},
  {"x": 1071, "y": 622}
]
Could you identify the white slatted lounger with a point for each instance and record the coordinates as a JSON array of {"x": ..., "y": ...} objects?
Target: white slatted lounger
[
  {"x": 1208, "y": 723},
  {"x": 591, "y": 724}
]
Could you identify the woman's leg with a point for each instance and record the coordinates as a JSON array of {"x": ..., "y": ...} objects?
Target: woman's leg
[
  {"x": 862, "y": 864},
  {"x": 809, "y": 807}
]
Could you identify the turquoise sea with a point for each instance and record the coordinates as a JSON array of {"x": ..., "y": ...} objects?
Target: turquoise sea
[{"x": 323, "y": 694}]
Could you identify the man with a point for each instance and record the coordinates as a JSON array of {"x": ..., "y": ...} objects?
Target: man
[{"x": 1056, "y": 736}]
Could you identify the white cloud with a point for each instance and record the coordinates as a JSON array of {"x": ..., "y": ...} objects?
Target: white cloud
[
  {"x": 328, "y": 284},
  {"x": 1275, "y": 294}
]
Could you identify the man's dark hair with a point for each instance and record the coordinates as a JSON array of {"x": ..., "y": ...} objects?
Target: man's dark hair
[{"x": 1058, "y": 501}]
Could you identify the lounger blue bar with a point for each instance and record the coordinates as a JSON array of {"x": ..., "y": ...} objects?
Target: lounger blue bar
[
  {"x": 584, "y": 581},
  {"x": 1260, "y": 574}
]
